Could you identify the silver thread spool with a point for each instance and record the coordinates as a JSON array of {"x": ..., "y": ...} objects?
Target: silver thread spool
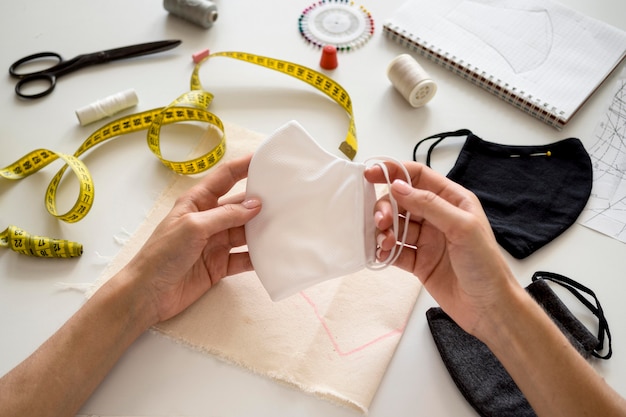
[
  {"x": 411, "y": 80},
  {"x": 201, "y": 12},
  {"x": 107, "y": 107}
]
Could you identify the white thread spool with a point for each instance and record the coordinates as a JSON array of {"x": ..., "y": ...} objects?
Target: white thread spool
[
  {"x": 201, "y": 12},
  {"x": 411, "y": 80},
  {"x": 107, "y": 107}
]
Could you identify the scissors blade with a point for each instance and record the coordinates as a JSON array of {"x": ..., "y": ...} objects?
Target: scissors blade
[{"x": 137, "y": 50}]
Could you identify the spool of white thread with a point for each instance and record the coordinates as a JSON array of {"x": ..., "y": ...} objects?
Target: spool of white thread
[
  {"x": 411, "y": 80},
  {"x": 107, "y": 107}
]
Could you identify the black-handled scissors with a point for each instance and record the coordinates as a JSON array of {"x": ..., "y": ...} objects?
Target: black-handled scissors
[{"x": 60, "y": 67}]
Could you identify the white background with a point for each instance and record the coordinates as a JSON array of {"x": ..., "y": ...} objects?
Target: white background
[{"x": 156, "y": 376}]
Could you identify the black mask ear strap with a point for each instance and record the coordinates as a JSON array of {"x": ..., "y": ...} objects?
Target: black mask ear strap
[
  {"x": 439, "y": 137},
  {"x": 575, "y": 288}
]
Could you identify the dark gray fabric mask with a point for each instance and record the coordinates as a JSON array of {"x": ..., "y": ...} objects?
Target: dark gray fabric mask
[{"x": 479, "y": 375}]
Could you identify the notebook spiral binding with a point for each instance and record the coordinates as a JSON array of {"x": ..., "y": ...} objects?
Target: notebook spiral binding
[{"x": 535, "y": 107}]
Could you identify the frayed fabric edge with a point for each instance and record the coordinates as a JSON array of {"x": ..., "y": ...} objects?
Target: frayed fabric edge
[{"x": 325, "y": 394}]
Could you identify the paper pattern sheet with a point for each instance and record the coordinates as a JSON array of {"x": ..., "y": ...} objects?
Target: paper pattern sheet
[
  {"x": 334, "y": 340},
  {"x": 606, "y": 209},
  {"x": 551, "y": 55}
]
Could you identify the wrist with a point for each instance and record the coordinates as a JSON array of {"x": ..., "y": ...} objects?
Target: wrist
[
  {"x": 509, "y": 320},
  {"x": 519, "y": 332},
  {"x": 553, "y": 376},
  {"x": 132, "y": 299}
]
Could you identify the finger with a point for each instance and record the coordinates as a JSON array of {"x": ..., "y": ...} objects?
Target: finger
[
  {"x": 443, "y": 214},
  {"x": 239, "y": 262},
  {"x": 237, "y": 236},
  {"x": 206, "y": 194},
  {"x": 375, "y": 174},
  {"x": 383, "y": 213},
  {"x": 385, "y": 240},
  {"x": 226, "y": 217},
  {"x": 422, "y": 177},
  {"x": 232, "y": 199},
  {"x": 406, "y": 259}
]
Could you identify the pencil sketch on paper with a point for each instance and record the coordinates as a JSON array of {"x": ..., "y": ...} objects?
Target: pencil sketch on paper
[
  {"x": 522, "y": 35},
  {"x": 606, "y": 209}
]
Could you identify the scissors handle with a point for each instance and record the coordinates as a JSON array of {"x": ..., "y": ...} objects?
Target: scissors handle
[
  {"x": 27, "y": 60},
  {"x": 42, "y": 83},
  {"x": 50, "y": 73}
]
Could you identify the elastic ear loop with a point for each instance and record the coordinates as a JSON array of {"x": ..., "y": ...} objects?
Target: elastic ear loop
[
  {"x": 572, "y": 286},
  {"x": 440, "y": 137},
  {"x": 397, "y": 249}
]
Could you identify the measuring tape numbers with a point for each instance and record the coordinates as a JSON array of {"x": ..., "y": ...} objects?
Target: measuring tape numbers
[
  {"x": 314, "y": 78},
  {"x": 23, "y": 242},
  {"x": 190, "y": 106}
]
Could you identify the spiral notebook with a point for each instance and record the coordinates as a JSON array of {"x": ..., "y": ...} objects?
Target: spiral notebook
[{"x": 537, "y": 55}]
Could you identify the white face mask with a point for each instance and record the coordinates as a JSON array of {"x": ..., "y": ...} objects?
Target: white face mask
[{"x": 317, "y": 218}]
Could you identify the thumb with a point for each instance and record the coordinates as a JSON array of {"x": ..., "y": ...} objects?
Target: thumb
[{"x": 229, "y": 215}]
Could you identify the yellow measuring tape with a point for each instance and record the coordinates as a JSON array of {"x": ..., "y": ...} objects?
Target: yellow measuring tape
[
  {"x": 316, "y": 79},
  {"x": 23, "y": 242},
  {"x": 190, "y": 106}
]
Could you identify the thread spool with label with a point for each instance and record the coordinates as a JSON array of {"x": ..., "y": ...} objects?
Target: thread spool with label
[
  {"x": 411, "y": 80},
  {"x": 201, "y": 12},
  {"x": 107, "y": 107}
]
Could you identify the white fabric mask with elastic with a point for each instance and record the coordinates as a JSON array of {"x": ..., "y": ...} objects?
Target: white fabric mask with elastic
[{"x": 317, "y": 218}]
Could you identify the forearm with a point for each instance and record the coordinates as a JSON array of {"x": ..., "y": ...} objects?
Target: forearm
[
  {"x": 59, "y": 377},
  {"x": 553, "y": 376}
]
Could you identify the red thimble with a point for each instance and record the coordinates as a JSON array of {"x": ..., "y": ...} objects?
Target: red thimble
[{"x": 329, "y": 57}]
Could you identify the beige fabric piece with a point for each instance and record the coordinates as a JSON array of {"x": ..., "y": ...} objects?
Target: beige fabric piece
[{"x": 334, "y": 340}]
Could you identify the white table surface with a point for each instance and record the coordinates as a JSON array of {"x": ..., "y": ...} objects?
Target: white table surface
[{"x": 157, "y": 377}]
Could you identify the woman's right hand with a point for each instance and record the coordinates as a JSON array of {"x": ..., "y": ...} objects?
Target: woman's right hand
[{"x": 451, "y": 247}]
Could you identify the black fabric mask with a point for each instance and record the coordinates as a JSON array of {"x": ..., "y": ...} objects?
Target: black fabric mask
[
  {"x": 531, "y": 194},
  {"x": 479, "y": 375}
]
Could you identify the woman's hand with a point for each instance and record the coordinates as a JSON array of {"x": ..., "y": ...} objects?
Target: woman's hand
[
  {"x": 450, "y": 245},
  {"x": 190, "y": 250},
  {"x": 455, "y": 254}
]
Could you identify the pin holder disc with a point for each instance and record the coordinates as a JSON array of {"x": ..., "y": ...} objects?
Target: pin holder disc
[{"x": 339, "y": 23}]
